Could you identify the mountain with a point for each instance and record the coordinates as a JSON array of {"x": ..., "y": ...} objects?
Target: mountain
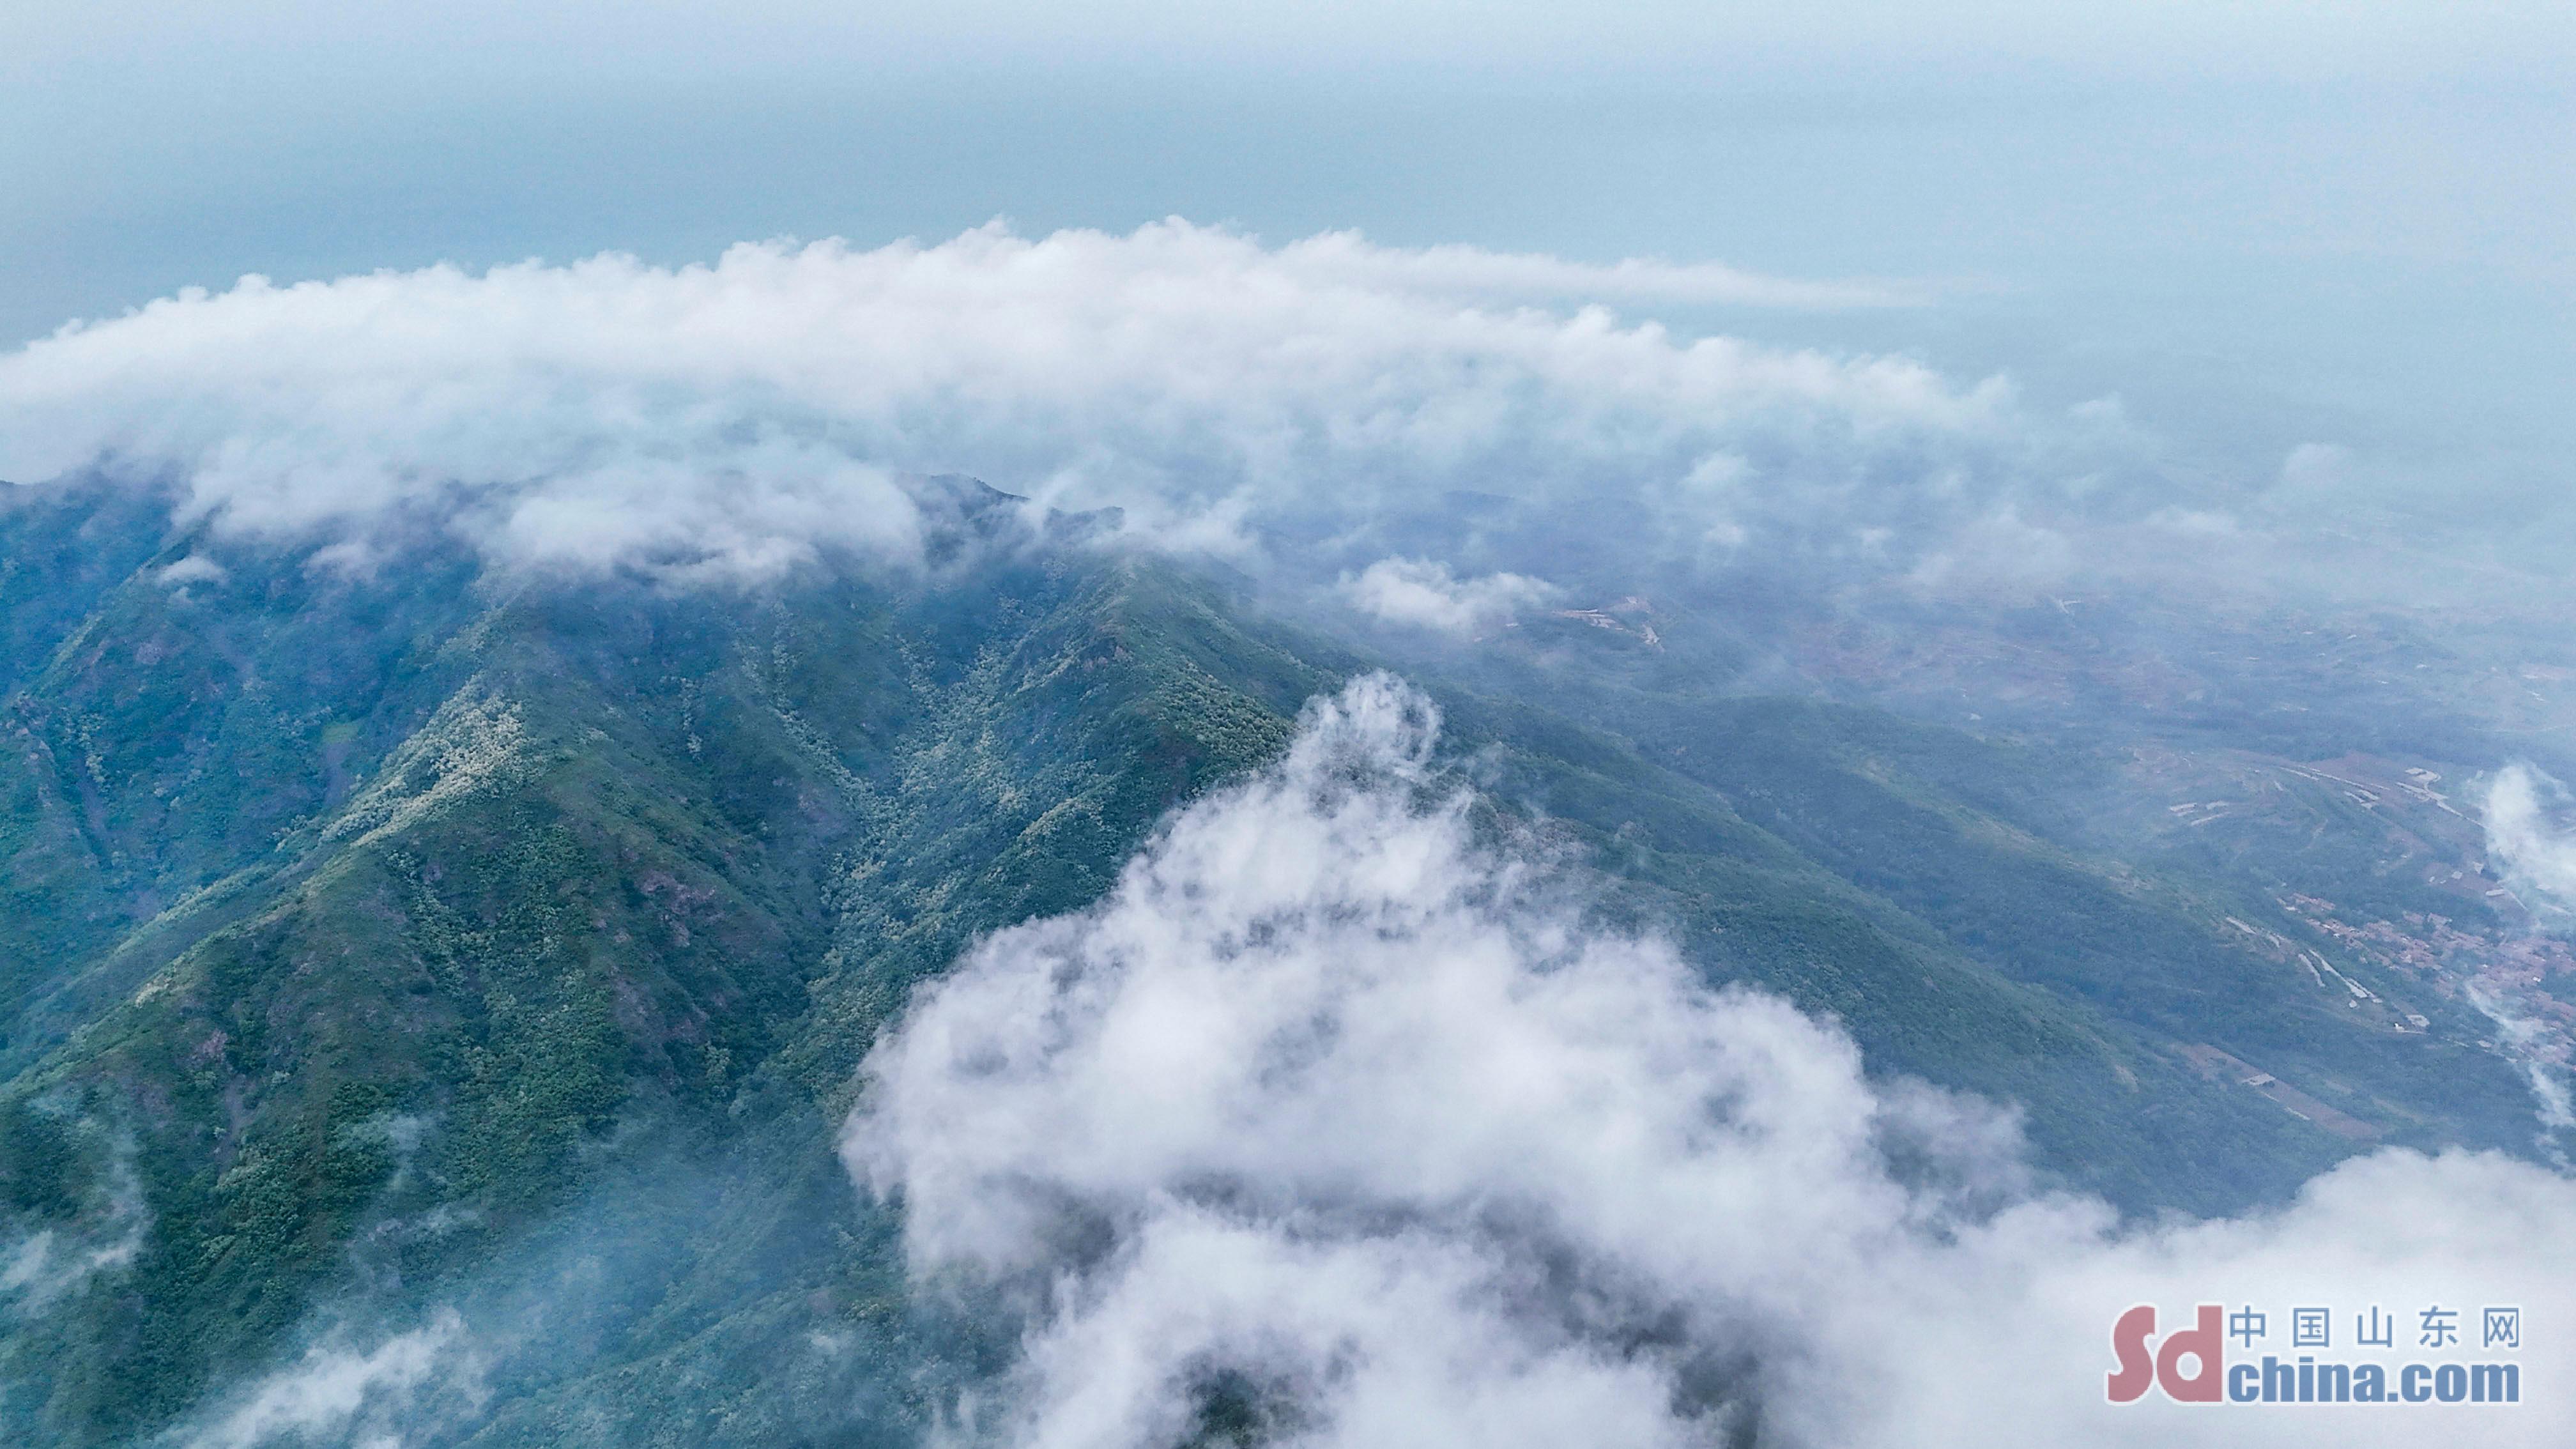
[{"x": 383, "y": 937}]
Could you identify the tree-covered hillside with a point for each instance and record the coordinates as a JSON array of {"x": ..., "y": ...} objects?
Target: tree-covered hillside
[{"x": 380, "y": 935}]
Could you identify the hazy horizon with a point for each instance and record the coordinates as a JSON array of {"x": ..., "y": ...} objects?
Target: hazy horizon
[{"x": 2257, "y": 228}]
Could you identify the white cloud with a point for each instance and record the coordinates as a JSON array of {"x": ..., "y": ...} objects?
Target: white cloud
[
  {"x": 1424, "y": 594},
  {"x": 47, "y": 1263},
  {"x": 1348, "y": 258},
  {"x": 1336, "y": 1103},
  {"x": 2536, "y": 857},
  {"x": 338, "y": 1394},
  {"x": 743, "y": 415},
  {"x": 2000, "y": 550},
  {"x": 2529, "y": 1043},
  {"x": 195, "y": 568},
  {"x": 2528, "y": 848}
]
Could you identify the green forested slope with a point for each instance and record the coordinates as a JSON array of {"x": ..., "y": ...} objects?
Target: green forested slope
[{"x": 383, "y": 940}]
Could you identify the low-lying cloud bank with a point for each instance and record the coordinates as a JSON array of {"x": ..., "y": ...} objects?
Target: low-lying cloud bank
[
  {"x": 41, "y": 1265},
  {"x": 737, "y": 417},
  {"x": 2530, "y": 849},
  {"x": 1424, "y": 594},
  {"x": 2536, "y": 856},
  {"x": 375, "y": 1396},
  {"x": 1336, "y": 1118}
]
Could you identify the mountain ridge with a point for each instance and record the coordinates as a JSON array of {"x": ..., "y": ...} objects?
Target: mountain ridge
[{"x": 402, "y": 938}]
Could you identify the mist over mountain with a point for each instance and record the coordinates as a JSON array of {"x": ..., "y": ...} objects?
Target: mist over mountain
[
  {"x": 1157, "y": 839},
  {"x": 1320, "y": 398}
]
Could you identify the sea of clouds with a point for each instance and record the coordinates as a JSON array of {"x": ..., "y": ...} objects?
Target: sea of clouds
[
  {"x": 1233, "y": 397},
  {"x": 1338, "y": 1100}
]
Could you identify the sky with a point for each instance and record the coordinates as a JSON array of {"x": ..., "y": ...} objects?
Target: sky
[{"x": 2344, "y": 223}]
